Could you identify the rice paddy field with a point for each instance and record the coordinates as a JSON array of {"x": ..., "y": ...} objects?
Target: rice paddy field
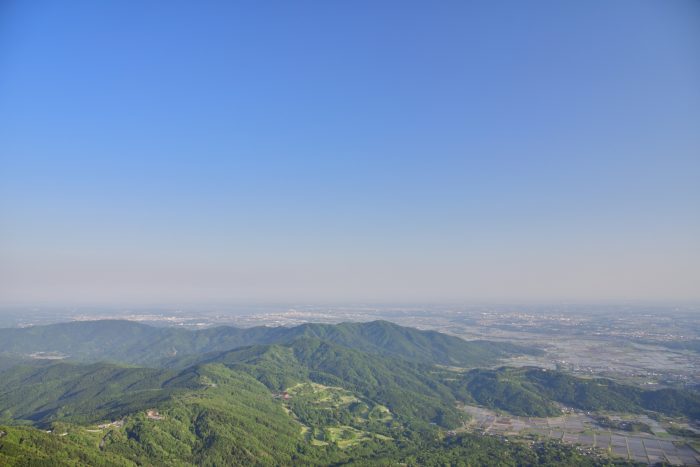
[{"x": 584, "y": 430}]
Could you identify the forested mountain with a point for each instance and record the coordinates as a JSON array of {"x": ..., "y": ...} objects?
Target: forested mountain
[
  {"x": 92, "y": 392},
  {"x": 217, "y": 416},
  {"x": 129, "y": 342},
  {"x": 311, "y": 397},
  {"x": 79, "y": 393},
  {"x": 149, "y": 444}
]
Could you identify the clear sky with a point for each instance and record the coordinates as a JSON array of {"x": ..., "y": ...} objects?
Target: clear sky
[{"x": 354, "y": 151}]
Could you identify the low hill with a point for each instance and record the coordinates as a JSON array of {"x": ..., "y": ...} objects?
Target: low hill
[{"x": 534, "y": 392}]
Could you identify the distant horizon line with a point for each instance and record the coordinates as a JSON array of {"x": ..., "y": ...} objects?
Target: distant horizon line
[{"x": 184, "y": 305}]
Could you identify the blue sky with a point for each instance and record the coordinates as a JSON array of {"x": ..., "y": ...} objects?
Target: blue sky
[{"x": 352, "y": 151}]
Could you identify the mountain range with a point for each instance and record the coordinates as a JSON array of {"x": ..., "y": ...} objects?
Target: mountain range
[{"x": 353, "y": 393}]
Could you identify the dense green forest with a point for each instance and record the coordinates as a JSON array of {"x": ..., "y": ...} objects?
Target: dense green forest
[
  {"x": 534, "y": 391},
  {"x": 315, "y": 397},
  {"x": 129, "y": 342},
  {"x": 22, "y": 446}
]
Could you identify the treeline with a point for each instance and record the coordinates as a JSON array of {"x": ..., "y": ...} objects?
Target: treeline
[{"x": 534, "y": 391}]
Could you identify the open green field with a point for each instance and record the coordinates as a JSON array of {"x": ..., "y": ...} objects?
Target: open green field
[{"x": 345, "y": 419}]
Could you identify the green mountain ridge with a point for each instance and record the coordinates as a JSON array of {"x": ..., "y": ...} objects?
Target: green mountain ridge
[
  {"x": 313, "y": 397},
  {"x": 416, "y": 392},
  {"x": 92, "y": 392},
  {"x": 130, "y": 342}
]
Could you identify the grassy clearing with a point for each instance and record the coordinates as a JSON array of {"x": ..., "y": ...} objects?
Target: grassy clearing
[
  {"x": 346, "y": 436},
  {"x": 338, "y": 415}
]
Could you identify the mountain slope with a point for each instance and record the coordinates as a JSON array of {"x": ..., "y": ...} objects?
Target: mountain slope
[
  {"x": 28, "y": 446},
  {"x": 304, "y": 399},
  {"x": 228, "y": 417},
  {"x": 24, "y": 446},
  {"x": 129, "y": 342},
  {"x": 80, "y": 393},
  {"x": 91, "y": 392},
  {"x": 534, "y": 392},
  {"x": 407, "y": 388},
  {"x": 231, "y": 419}
]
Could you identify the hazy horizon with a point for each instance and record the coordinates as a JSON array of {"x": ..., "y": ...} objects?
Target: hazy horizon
[{"x": 325, "y": 152}]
